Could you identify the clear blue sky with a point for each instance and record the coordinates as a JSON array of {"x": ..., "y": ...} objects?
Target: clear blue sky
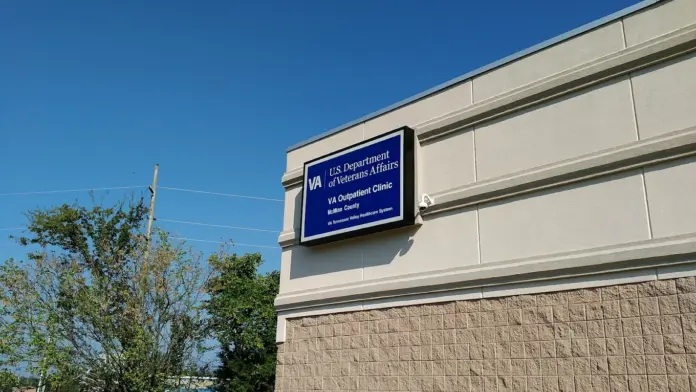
[{"x": 93, "y": 94}]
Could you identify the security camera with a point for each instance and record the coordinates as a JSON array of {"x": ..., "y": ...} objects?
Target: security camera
[{"x": 426, "y": 201}]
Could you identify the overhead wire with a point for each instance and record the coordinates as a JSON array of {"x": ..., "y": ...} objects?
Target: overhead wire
[
  {"x": 27, "y": 193},
  {"x": 222, "y": 242},
  {"x": 72, "y": 190},
  {"x": 194, "y": 240},
  {"x": 220, "y": 226},
  {"x": 139, "y": 186},
  {"x": 219, "y": 193}
]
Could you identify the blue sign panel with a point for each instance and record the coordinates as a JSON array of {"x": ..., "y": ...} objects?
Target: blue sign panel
[{"x": 362, "y": 189}]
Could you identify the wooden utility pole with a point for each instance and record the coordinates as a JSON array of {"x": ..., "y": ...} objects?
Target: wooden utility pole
[
  {"x": 150, "y": 220},
  {"x": 42, "y": 377},
  {"x": 153, "y": 196}
]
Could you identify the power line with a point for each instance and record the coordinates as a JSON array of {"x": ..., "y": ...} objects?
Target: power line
[
  {"x": 182, "y": 222},
  {"x": 138, "y": 186},
  {"x": 71, "y": 190},
  {"x": 222, "y": 226},
  {"x": 194, "y": 240},
  {"x": 220, "y": 194},
  {"x": 220, "y": 242}
]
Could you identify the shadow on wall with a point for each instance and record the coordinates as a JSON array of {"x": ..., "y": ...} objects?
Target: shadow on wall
[
  {"x": 348, "y": 254},
  {"x": 385, "y": 248},
  {"x": 345, "y": 255}
]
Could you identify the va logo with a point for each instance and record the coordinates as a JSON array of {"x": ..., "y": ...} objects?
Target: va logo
[{"x": 314, "y": 183}]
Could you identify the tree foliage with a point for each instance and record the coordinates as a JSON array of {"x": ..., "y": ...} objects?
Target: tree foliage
[
  {"x": 243, "y": 319},
  {"x": 8, "y": 381},
  {"x": 96, "y": 307}
]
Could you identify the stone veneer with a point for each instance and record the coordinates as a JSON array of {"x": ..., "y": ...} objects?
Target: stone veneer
[{"x": 636, "y": 337}]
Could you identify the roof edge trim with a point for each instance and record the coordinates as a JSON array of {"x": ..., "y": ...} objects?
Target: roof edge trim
[{"x": 496, "y": 64}]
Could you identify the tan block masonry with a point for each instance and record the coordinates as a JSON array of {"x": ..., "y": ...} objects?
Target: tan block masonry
[{"x": 637, "y": 337}]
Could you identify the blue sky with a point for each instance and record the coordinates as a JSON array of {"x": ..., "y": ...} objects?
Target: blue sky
[{"x": 93, "y": 94}]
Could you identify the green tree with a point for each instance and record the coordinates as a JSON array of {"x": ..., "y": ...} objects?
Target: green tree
[
  {"x": 8, "y": 381},
  {"x": 96, "y": 307},
  {"x": 244, "y": 321}
]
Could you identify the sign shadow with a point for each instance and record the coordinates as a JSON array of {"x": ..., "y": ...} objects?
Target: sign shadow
[{"x": 352, "y": 254}]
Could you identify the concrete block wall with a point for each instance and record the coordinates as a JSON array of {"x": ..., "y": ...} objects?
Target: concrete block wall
[{"x": 635, "y": 337}]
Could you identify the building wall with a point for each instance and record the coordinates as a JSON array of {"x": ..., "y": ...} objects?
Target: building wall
[
  {"x": 571, "y": 167},
  {"x": 636, "y": 337}
]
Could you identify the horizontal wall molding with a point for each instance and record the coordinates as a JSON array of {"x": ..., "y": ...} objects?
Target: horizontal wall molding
[
  {"x": 649, "y": 53},
  {"x": 292, "y": 178},
  {"x": 625, "y": 61},
  {"x": 676, "y": 270},
  {"x": 288, "y": 238},
  {"x": 653, "y": 253},
  {"x": 643, "y": 153},
  {"x": 647, "y": 152},
  {"x": 582, "y": 282}
]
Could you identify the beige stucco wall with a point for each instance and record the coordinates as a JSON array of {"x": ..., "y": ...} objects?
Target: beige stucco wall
[{"x": 579, "y": 150}]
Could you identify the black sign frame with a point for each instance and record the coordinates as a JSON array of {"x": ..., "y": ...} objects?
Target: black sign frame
[{"x": 408, "y": 200}]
